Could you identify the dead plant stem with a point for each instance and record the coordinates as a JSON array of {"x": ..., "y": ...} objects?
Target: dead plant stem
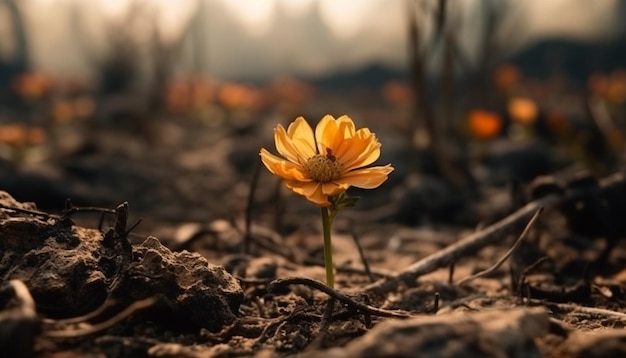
[{"x": 508, "y": 254}]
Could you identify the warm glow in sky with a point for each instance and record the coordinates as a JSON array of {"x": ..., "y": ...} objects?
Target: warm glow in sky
[
  {"x": 255, "y": 15},
  {"x": 296, "y": 8},
  {"x": 344, "y": 18},
  {"x": 265, "y": 37}
]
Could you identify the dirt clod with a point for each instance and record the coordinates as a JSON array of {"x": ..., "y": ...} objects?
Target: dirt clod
[
  {"x": 72, "y": 270},
  {"x": 494, "y": 333},
  {"x": 198, "y": 292}
]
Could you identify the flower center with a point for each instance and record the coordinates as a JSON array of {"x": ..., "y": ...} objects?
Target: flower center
[{"x": 323, "y": 168}]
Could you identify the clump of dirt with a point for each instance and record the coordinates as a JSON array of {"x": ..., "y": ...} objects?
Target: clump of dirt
[
  {"x": 67, "y": 269},
  {"x": 200, "y": 294},
  {"x": 483, "y": 334},
  {"x": 78, "y": 275}
]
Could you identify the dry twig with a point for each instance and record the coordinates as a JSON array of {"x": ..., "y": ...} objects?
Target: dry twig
[
  {"x": 19, "y": 325},
  {"x": 508, "y": 253},
  {"x": 99, "y": 327},
  {"x": 247, "y": 237},
  {"x": 573, "y": 308},
  {"x": 464, "y": 247},
  {"x": 274, "y": 285},
  {"x": 357, "y": 242},
  {"x": 318, "y": 342},
  {"x": 26, "y": 302}
]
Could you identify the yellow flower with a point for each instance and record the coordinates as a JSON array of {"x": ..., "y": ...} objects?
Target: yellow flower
[{"x": 325, "y": 163}]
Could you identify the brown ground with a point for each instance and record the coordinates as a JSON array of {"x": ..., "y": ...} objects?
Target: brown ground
[{"x": 558, "y": 295}]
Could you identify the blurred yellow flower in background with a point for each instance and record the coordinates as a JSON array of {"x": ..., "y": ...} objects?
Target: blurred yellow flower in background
[{"x": 326, "y": 163}]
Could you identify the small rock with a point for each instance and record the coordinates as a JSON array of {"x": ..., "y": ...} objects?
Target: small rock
[
  {"x": 199, "y": 293},
  {"x": 498, "y": 333},
  {"x": 605, "y": 344},
  {"x": 66, "y": 268}
]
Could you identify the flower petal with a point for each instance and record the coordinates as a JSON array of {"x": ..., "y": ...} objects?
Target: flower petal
[
  {"x": 367, "y": 157},
  {"x": 281, "y": 167},
  {"x": 346, "y": 127},
  {"x": 362, "y": 150},
  {"x": 312, "y": 191},
  {"x": 302, "y": 135},
  {"x": 345, "y": 131},
  {"x": 333, "y": 188},
  {"x": 325, "y": 134},
  {"x": 349, "y": 149},
  {"x": 285, "y": 146},
  {"x": 366, "y": 178}
]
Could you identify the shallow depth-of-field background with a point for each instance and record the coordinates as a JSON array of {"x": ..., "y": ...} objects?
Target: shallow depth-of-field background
[{"x": 487, "y": 110}]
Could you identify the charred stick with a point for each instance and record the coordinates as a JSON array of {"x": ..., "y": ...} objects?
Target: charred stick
[
  {"x": 276, "y": 284},
  {"x": 521, "y": 282},
  {"x": 466, "y": 246},
  {"x": 508, "y": 253},
  {"x": 99, "y": 327},
  {"x": 327, "y": 318},
  {"x": 579, "y": 292},
  {"x": 247, "y": 237},
  {"x": 26, "y": 302},
  {"x": 366, "y": 265}
]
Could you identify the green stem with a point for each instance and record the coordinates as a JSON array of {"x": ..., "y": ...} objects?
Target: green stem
[{"x": 328, "y": 249}]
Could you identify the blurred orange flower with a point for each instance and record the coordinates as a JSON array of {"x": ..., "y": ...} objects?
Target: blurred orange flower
[
  {"x": 326, "y": 163},
  {"x": 616, "y": 91},
  {"x": 483, "y": 124},
  {"x": 177, "y": 96},
  {"x": 18, "y": 135},
  {"x": 612, "y": 87},
  {"x": 289, "y": 94},
  {"x": 291, "y": 90},
  {"x": 13, "y": 134},
  {"x": 62, "y": 111},
  {"x": 32, "y": 85},
  {"x": 397, "y": 93},
  {"x": 237, "y": 96},
  {"x": 36, "y": 136},
  {"x": 506, "y": 76},
  {"x": 523, "y": 110}
]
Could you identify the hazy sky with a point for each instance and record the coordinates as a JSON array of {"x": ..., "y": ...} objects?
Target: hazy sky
[{"x": 262, "y": 38}]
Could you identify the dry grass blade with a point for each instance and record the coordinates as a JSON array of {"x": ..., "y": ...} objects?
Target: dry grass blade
[{"x": 508, "y": 254}]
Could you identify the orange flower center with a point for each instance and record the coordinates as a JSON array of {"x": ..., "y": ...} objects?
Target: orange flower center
[{"x": 323, "y": 168}]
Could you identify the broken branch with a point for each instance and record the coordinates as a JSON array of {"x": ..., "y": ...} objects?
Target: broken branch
[{"x": 463, "y": 247}]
